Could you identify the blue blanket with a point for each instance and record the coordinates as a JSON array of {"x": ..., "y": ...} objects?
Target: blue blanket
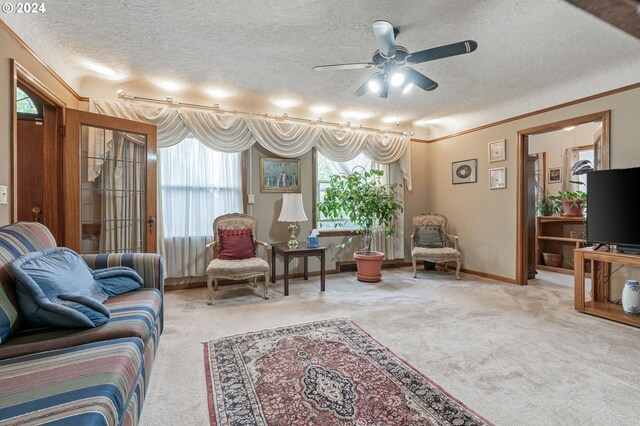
[{"x": 56, "y": 287}]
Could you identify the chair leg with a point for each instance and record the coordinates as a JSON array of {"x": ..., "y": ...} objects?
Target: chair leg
[
  {"x": 266, "y": 286},
  {"x": 458, "y": 263},
  {"x": 209, "y": 280},
  {"x": 215, "y": 284},
  {"x": 413, "y": 261},
  {"x": 255, "y": 281}
]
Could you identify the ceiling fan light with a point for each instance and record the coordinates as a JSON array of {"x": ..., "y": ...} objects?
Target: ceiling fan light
[
  {"x": 397, "y": 79},
  {"x": 373, "y": 85},
  {"x": 407, "y": 88}
]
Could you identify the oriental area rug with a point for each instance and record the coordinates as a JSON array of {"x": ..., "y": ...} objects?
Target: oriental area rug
[{"x": 326, "y": 372}]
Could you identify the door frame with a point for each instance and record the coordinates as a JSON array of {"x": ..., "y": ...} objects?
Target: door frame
[
  {"x": 72, "y": 151},
  {"x": 521, "y": 172},
  {"x": 19, "y": 75}
]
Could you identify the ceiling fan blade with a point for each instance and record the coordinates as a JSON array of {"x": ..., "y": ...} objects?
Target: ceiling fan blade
[
  {"x": 362, "y": 89},
  {"x": 453, "y": 49},
  {"x": 420, "y": 80},
  {"x": 385, "y": 38},
  {"x": 352, "y": 66}
]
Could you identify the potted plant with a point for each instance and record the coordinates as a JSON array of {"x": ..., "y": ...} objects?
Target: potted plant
[
  {"x": 371, "y": 205},
  {"x": 573, "y": 203},
  {"x": 549, "y": 205}
]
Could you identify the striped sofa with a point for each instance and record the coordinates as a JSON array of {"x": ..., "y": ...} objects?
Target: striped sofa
[{"x": 94, "y": 376}]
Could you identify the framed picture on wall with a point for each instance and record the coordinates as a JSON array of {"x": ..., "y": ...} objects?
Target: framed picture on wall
[
  {"x": 279, "y": 175},
  {"x": 464, "y": 171},
  {"x": 498, "y": 178},
  {"x": 497, "y": 151},
  {"x": 554, "y": 175}
]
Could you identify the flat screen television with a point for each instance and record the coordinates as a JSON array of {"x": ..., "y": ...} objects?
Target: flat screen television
[{"x": 613, "y": 208}]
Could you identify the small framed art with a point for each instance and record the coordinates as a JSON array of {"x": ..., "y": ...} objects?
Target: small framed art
[
  {"x": 498, "y": 178},
  {"x": 554, "y": 175},
  {"x": 464, "y": 171},
  {"x": 279, "y": 175},
  {"x": 497, "y": 151}
]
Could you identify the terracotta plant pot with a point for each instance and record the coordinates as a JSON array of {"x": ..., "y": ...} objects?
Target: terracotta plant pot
[
  {"x": 569, "y": 210},
  {"x": 369, "y": 266},
  {"x": 553, "y": 259}
]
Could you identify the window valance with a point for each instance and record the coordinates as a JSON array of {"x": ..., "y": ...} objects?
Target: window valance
[{"x": 235, "y": 133}]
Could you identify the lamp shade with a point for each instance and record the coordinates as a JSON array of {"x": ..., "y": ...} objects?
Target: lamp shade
[{"x": 292, "y": 209}]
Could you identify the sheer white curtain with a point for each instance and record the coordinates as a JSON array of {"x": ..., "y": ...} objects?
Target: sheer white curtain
[
  {"x": 392, "y": 247},
  {"x": 233, "y": 133},
  {"x": 197, "y": 184},
  {"x": 346, "y": 167}
]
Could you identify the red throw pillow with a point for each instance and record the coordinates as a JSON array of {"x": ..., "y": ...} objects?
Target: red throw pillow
[{"x": 236, "y": 243}]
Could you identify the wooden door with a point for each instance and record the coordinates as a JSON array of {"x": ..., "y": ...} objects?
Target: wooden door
[
  {"x": 109, "y": 184},
  {"x": 30, "y": 173},
  {"x": 531, "y": 217},
  {"x": 37, "y": 175}
]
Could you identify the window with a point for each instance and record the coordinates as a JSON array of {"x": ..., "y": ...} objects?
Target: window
[
  {"x": 324, "y": 169},
  {"x": 198, "y": 184},
  {"x": 26, "y": 105}
]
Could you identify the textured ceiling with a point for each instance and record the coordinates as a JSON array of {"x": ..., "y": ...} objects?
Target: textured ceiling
[{"x": 531, "y": 54}]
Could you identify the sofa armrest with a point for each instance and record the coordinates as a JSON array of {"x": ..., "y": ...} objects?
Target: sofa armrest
[{"x": 150, "y": 266}]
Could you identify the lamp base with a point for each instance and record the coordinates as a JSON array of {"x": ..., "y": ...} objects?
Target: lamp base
[{"x": 292, "y": 235}]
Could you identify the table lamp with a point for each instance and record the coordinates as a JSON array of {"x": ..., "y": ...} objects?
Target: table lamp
[{"x": 292, "y": 212}]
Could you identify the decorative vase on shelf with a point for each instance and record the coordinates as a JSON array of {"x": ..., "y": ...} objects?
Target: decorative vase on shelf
[{"x": 631, "y": 297}]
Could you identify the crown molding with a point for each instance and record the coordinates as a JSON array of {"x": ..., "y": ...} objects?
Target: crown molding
[
  {"x": 30, "y": 51},
  {"x": 529, "y": 114}
]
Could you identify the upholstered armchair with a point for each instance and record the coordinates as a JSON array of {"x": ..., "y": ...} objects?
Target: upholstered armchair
[
  {"x": 431, "y": 242},
  {"x": 233, "y": 252}
]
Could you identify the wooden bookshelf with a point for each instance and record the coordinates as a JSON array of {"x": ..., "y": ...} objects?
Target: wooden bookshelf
[
  {"x": 553, "y": 236},
  {"x": 597, "y": 305}
]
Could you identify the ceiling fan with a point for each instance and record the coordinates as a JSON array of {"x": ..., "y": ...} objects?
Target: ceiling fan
[{"x": 393, "y": 60}]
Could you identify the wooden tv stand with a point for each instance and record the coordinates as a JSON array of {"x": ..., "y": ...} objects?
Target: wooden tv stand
[{"x": 598, "y": 305}]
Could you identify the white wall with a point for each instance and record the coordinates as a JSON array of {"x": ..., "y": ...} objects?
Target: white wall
[{"x": 485, "y": 219}]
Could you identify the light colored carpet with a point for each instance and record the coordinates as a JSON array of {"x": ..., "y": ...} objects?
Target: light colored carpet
[{"x": 516, "y": 355}]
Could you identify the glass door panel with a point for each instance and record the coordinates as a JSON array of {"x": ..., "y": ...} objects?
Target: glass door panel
[{"x": 113, "y": 172}]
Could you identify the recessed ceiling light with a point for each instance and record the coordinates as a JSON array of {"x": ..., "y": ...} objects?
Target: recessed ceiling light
[
  {"x": 103, "y": 70},
  {"x": 171, "y": 86},
  {"x": 423, "y": 123},
  {"x": 218, "y": 93},
  {"x": 566, "y": 129},
  {"x": 360, "y": 115},
  {"x": 363, "y": 115},
  {"x": 285, "y": 102},
  {"x": 321, "y": 109},
  {"x": 392, "y": 119}
]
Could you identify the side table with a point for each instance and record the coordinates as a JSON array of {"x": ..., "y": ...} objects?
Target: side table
[{"x": 289, "y": 253}]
